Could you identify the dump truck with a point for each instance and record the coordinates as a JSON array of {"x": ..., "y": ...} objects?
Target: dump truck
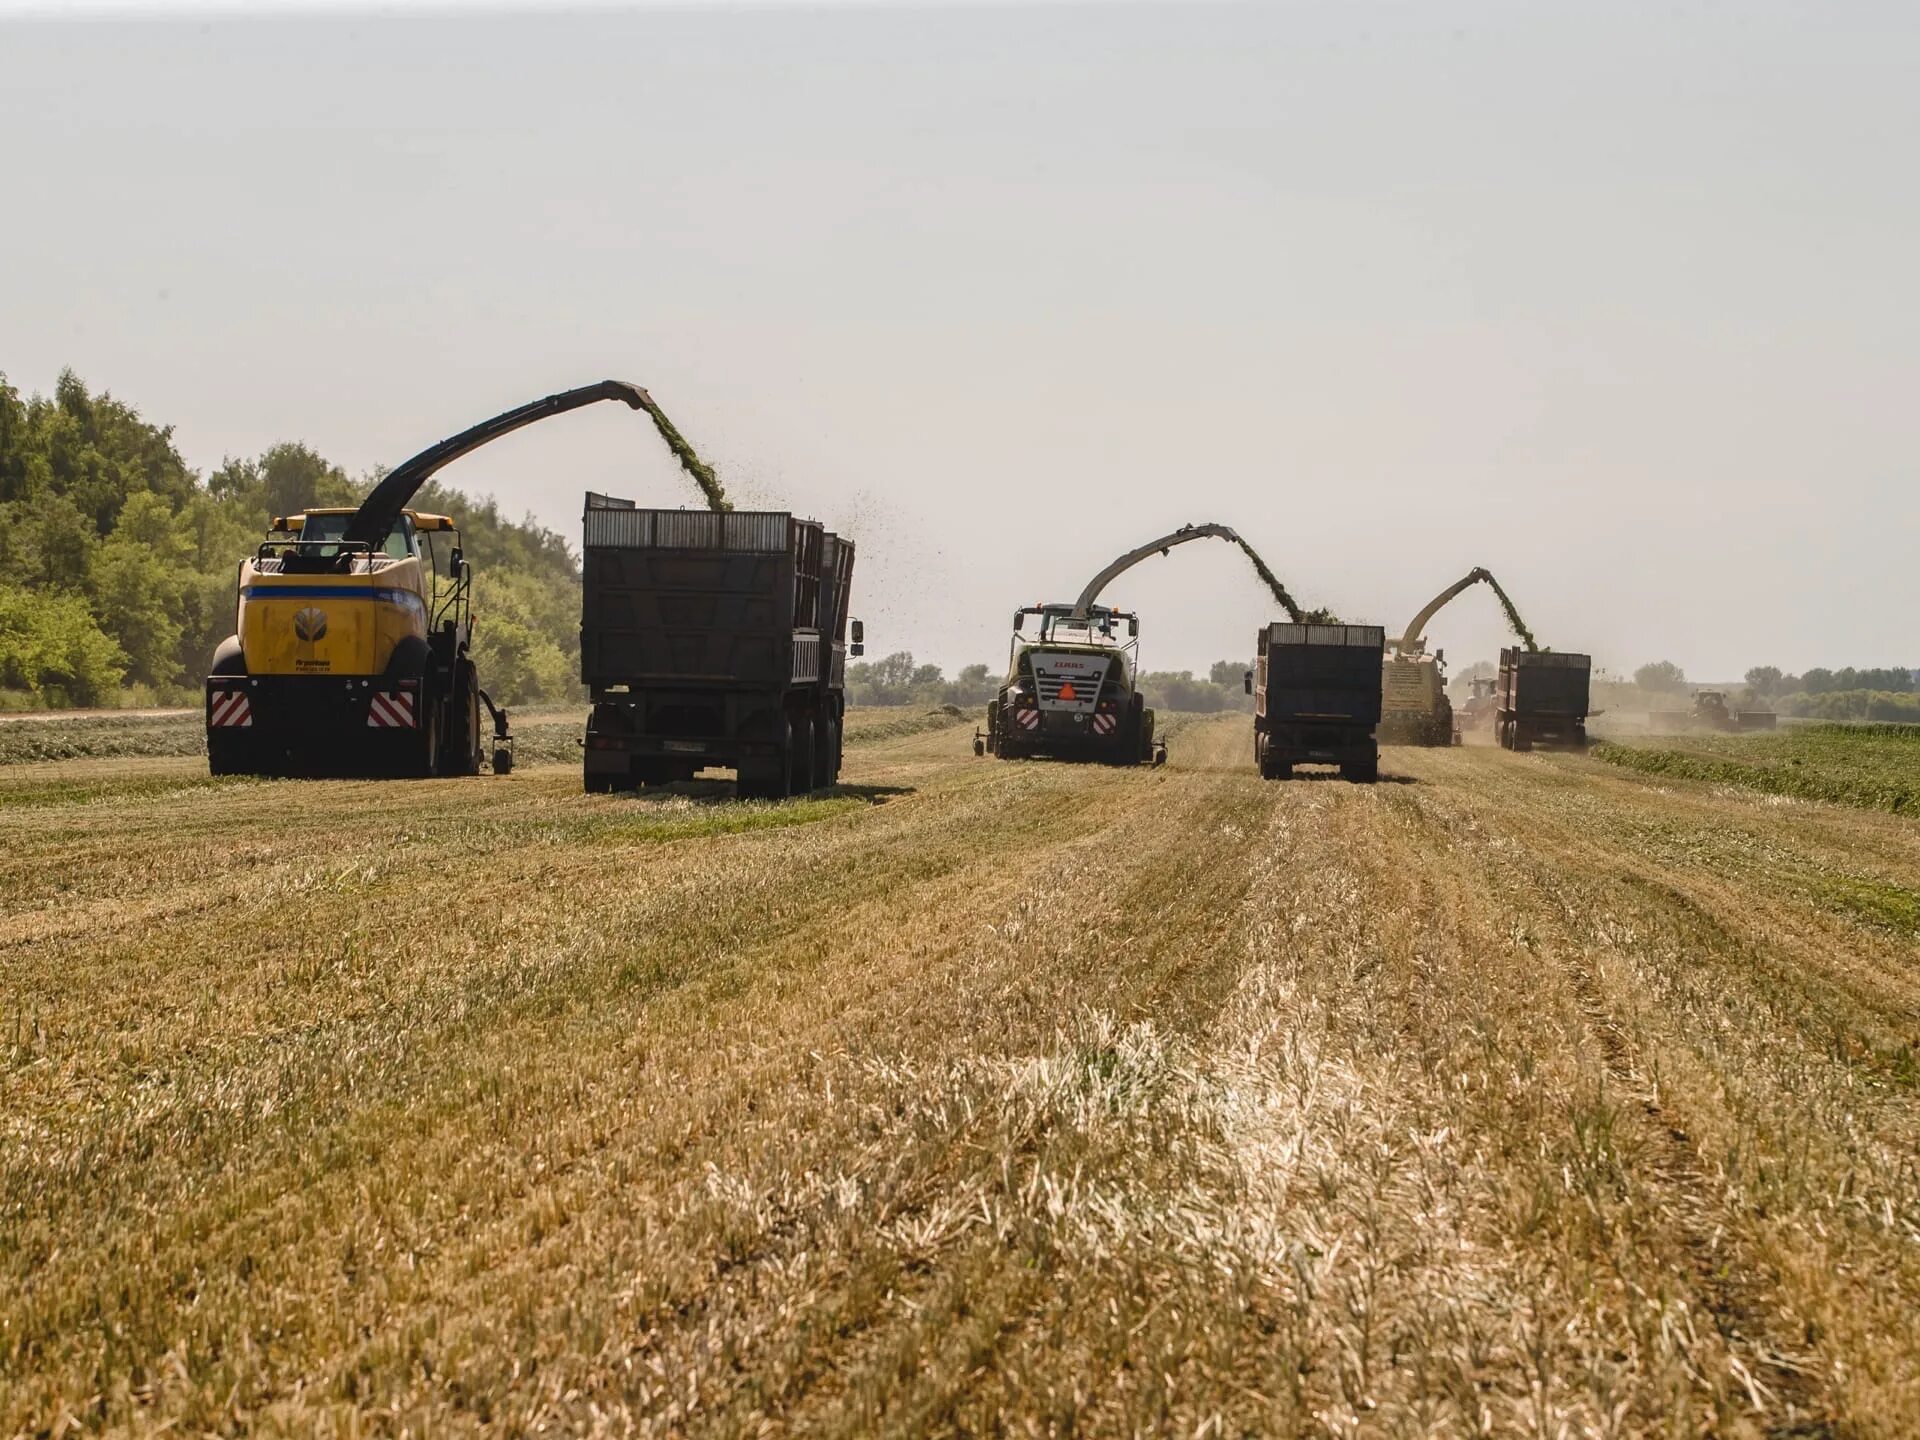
[
  {"x": 1540, "y": 699},
  {"x": 352, "y": 643},
  {"x": 1070, "y": 692},
  {"x": 713, "y": 640},
  {"x": 1317, "y": 698},
  {"x": 1711, "y": 712}
]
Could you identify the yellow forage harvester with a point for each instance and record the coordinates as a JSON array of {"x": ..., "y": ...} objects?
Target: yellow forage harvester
[{"x": 353, "y": 631}]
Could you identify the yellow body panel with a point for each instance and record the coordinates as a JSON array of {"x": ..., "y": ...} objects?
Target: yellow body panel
[{"x": 329, "y": 624}]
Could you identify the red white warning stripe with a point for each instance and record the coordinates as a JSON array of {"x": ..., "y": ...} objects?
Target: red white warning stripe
[
  {"x": 1103, "y": 723},
  {"x": 1029, "y": 718},
  {"x": 391, "y": 710},
  {"x": 229, "y": 708}
]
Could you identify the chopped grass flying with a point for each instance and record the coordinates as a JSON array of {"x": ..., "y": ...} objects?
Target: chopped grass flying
[
  {"x": 1513, "y": 613},
  {"x": 1287, "y": 602},
  {"x": 690, "y": 461}
]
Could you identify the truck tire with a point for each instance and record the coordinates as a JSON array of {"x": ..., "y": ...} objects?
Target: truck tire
[
  {"x": 772, "y": 778},
  {"x": 830, "y": 750},
  {"x": 1361, "y": 771},
  {"x": 804, "y": 757}
]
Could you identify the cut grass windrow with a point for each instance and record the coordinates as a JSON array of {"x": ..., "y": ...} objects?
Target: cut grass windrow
[{"x": 1529, "y": 1097}]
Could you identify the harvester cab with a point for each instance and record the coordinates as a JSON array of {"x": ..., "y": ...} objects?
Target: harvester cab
[{"x": 354, "y": 629}]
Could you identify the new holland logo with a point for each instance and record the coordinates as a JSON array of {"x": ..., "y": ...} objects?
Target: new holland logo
[{"x": 310, "y": 624}]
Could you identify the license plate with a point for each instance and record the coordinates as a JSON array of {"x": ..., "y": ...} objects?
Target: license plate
[{"x": 685, "y": 747}]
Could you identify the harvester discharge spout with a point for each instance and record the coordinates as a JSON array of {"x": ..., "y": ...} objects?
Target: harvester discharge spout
[
  {"x": 381, "y": 509},
  {"x": 1416, "y": 710},
  {"x": 1162, "y": 546}
]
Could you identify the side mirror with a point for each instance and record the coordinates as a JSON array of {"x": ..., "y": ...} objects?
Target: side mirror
[
  {"x": 858, "y": 631},
  {"x": 1019, "y": 618},
  {"x": 1133, "y": 625},
  {"x": 1249, "y": 682}
]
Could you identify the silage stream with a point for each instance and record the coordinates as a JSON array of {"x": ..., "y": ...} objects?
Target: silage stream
[{"x": 689, "y": 459}]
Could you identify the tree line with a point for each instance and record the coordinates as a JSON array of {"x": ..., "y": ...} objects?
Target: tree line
[
  {"x": 898, "y": 679},
  {"x": 118, "y": 562}
]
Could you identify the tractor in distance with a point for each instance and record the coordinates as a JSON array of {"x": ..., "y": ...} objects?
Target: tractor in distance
[{"x": 1711, "y": 712}]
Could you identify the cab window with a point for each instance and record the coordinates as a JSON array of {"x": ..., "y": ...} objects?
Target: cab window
[{"x": 325, "y": 531}]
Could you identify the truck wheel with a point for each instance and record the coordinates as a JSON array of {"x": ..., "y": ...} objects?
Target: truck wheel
[
  {"x": 598, "y": 784},
  {"x": 770, "y": 779},
  {"x": 801, "y": 749},
  {"x": 1361, "y": 772},
  {"x": 825, "y": 767}
]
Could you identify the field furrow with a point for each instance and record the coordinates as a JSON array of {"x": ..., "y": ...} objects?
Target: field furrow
[{"x": 1512, "y": 1095}]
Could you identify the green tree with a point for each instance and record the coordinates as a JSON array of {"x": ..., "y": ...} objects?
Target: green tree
[
  {"x": 51, "y": 647},
  {"x": 1660, "y": 675},
  {"x": 139, "y": 601},
  {"x": 1764, "y": 680}
]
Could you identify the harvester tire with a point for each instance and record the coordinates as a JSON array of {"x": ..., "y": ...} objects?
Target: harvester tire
[
  {"x": 229, "y": 755},
  {"x": 462, "y": 755},
  {"x": 426, "y": 745}
]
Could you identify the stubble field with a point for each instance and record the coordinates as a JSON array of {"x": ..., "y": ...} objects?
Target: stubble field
[{"x": 1520, "y": 1095}]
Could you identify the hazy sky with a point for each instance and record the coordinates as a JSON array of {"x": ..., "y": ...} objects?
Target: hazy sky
[{"x": 1618, "y": 300}]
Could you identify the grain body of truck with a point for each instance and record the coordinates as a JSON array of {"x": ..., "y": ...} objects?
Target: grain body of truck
[
  {"x": 713, "y": 639},
  {"x": 1316, "y": 695},
  {"x": 1541, "y": 699}
]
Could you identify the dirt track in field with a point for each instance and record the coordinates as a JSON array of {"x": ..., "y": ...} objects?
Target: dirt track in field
[{"x": 1513, "y": 1095}]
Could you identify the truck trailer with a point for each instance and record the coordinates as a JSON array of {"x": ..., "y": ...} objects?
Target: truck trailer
[
  {"x": 713, "y": 639},
  {"x": 1316, "y": 692},
  {"x": 1541, "y": 699}
]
